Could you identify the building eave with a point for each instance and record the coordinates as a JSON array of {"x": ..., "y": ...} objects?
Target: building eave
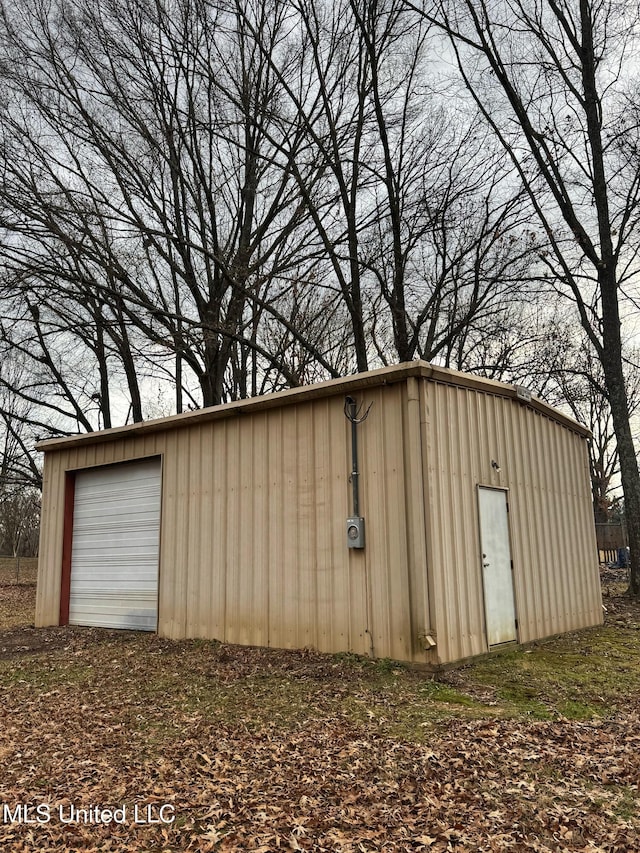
[{"x": 333, "y": 387}]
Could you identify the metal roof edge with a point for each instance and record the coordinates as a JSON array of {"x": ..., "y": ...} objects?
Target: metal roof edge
[
  {"x": 478, "y": 383},
  {"x": 381, "y": 376}
]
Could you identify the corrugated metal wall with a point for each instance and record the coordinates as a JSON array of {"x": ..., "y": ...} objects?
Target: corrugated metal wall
[
  {"x": 253, "y": 546},
  {"x": 545, "y": 468}
]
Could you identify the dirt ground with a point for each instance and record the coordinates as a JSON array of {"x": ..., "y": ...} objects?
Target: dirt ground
[{"x": 117, "y": 741}]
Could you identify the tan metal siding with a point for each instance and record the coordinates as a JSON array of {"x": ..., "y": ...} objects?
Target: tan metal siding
[
  {"x": 552, "y": 530},
  {"x": 233, "y": 617},
  {"x": 50, "y": 550},
  {"x": 174, "y": 535},
  {"x": 394, "y": 553},
  {"x": 452, "y": 424},
  {"x": 382, "y": 484},
  {"x": 544, "y": 467},
  {"x": 332, "y": 587},
  {"x": 253, "y": 545},
  {"x": 416, "y": 509},
  {"x": 201, "y": 533}
]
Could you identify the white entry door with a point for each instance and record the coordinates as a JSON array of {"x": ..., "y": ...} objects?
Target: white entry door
[
  {"x": 115, "y": 552},
  {"x": 496, "y": 566}
]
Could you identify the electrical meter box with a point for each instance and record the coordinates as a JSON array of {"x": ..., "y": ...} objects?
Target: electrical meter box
[{"x": 355, "y": 532}]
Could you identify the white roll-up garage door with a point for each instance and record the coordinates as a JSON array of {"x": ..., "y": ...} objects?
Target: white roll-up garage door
[{"x": 116, "y": 541}]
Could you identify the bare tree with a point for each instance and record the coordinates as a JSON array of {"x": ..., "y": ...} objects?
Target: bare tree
[
  {"x": 412, "y": 204},
  {"x": 550, "y": 79},
  {"x": 20, "y": 474},
  {"x": 212, "y": 184},
  {"x": 19, "y": 523},
  {"x": 566, "y": 370},
  {"x": 136, "y": 154}
]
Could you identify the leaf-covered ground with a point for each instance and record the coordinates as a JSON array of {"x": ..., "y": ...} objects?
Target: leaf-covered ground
[{"x": 252, "y": 749}]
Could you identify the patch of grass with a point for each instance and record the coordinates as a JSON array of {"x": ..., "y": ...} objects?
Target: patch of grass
[
  {"x": 579, "y": 675},
  {"x": 386, "y": 666},
  {"x": 626, "y": 805},
  {"x": 43, "y": 675},
  {"x": 434, "y": 691},
  {"x": 574, "y": 710},
  {"x": 353, "y": 660},
  {"x": 519, "y": 701},
  {"x": 550, "y": 680}
]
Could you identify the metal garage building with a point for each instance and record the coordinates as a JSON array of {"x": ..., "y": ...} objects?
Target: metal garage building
[{"x": 230, "y": 522}]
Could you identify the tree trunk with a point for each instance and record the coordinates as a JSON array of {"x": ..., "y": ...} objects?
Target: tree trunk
[
  {"x": 611, "y": 354},
  {"x": 629, "y": 474}
]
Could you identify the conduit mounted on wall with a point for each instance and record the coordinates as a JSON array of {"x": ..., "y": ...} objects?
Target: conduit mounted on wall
[{"x": 355, "y": 523}]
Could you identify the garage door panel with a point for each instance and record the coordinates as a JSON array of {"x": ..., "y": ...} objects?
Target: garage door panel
[
  {"x": 99, "y": 616},
  {"x": 146, "y": 520},
  {"x": 102, "y": 585},
  {"x": 131, "y": 538},
  {"x": 113, "y": 498},
  {"x": 116, "y": 509},
  {"x": 119, "y": 550},
  {"x": 115, "y": 553}
]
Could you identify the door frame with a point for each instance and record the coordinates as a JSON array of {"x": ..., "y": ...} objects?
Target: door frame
[{"x": 505, "y": 491}]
